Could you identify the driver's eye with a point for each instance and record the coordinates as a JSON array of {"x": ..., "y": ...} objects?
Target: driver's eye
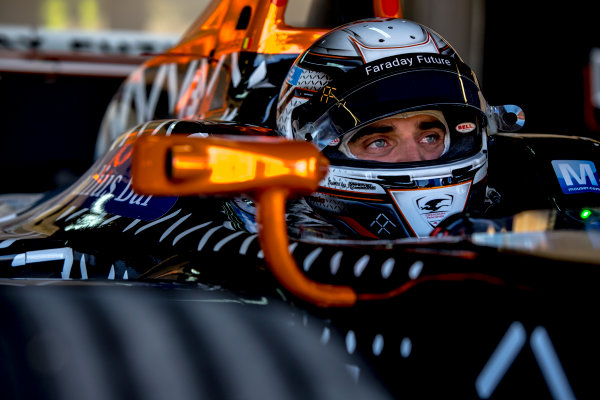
[
  {"x": 430, "y": 139},
  {"x": 378, "y": 143}
]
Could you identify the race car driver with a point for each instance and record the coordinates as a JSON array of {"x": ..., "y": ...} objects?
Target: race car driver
[{"x": 402, "y": 120}]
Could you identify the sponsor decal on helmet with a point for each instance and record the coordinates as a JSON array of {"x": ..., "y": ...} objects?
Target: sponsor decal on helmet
[
  {"x": 465, "y": 127},
  {"x": 328, "y": 93},
  {"x": 326, "y": 202},
  {"x": 334, "y": 142},
  {"x": 409, "y": 60},
  {"x": 434, "y": 208},
  {"x": 425, "y": 208},
  {"x": 336, "y": 182},
  {"x": 383, "y": 224},
  {"x": 294, "y": 75}
]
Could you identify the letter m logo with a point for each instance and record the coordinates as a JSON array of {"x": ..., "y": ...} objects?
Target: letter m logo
[{"x": 576, "y": 176}]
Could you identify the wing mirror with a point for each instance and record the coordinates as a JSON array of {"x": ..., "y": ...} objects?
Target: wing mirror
[
  {"x": 505, "y": 118},
  {"x": 270, "y": 169}
]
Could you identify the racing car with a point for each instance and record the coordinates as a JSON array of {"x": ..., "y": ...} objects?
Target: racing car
[{"x": 489, "y": 305}]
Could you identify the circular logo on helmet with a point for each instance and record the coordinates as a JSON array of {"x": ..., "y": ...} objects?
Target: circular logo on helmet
[
  {"x": 465, "y": 127},
  {"x": 334, "y": 142}
]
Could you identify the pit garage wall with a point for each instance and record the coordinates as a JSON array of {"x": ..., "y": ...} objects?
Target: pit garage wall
[
  {"x": 524, "y": 53},
  {"x": 49, "y": 125},
  {"x": 54, "y": 89},
  {"x": 536, "y": 55}
]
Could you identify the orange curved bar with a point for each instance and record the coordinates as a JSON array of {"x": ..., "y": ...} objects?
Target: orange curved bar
[
  {"x": 272, "y": 169},
  {"x": 179, "y": 165},
  {"x": 274, "y": 242}
]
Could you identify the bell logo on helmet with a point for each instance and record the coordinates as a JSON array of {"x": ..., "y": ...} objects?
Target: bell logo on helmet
[{"x": 465, "y": 127}]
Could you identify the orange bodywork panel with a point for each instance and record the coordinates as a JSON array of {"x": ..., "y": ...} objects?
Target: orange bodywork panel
[
  {"x": 203, "y": 61},
  {"x": 270, "y": 169},
  {"x": 218, "y": 31}
]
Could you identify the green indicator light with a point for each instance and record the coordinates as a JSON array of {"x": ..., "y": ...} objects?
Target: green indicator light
[{"x": 585, "y": 213}]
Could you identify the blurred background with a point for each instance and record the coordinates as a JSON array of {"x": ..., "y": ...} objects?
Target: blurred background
[{"x": 539, "y": 57}]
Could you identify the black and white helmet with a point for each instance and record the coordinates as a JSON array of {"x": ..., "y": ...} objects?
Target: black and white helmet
[{"x": 376, "y": 70}]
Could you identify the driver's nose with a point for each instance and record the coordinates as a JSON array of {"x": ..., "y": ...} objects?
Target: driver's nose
[{"x": 409, "y": 151}]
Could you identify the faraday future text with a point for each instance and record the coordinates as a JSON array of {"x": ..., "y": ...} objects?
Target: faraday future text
[{"x": 407, "y": 61}]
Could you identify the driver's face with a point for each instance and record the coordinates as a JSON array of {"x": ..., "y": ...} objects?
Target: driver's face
[{"x": 417, "y": 138}]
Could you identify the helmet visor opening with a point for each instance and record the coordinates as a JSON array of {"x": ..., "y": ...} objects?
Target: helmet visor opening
[{"x": 391, "y": 95}]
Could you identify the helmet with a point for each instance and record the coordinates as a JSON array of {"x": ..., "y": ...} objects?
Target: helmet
[{"x": 382, "y": 69}]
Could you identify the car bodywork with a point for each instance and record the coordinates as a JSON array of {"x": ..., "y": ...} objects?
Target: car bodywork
[{"x": 495, "y": 312}]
